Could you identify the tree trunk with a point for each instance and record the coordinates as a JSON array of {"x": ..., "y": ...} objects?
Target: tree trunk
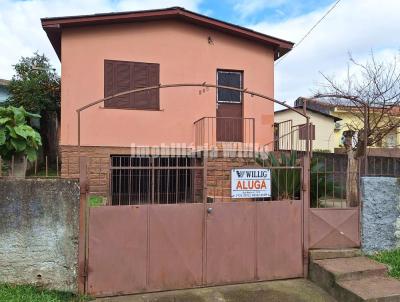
[
  {"x": 352, "y": 179},
  {"x": 48, "y": 132}
]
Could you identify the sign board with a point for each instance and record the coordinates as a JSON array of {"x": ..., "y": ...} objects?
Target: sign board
[{"x": 250, "y": 183}]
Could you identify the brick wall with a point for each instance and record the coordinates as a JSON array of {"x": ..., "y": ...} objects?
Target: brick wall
[
  {"x": 98, "y": 165},
  {"x": 219, "y": 175},
  {"x": 218, "y": 170}
]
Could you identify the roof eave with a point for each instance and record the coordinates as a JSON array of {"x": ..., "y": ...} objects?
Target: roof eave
[
  {"x": 54, "y": 26},
  {"x": 53, "y": 32}
]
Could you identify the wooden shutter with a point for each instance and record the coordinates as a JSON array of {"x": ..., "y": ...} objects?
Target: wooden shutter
[
  {"x": 140, "y": 80},
  {"x": 116, "y": 80},
  {"x": 154, "y": 80},
  {"x": 108, "y": 78},
  {"x": 122, "y": 76},
  {"x": 108, "y": 82},
  {"x": 303, "y": 131}
]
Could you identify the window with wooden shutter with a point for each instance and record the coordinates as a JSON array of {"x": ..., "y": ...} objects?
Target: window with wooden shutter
[
  {"x": 303, "y": 131},
  {"x": 121, "y": 76}
]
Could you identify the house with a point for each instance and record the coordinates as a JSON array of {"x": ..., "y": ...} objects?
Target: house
[
  {"x": 105, "y": 54},
  {"x": 290, "y": 128},
  {"x": 4, "y": 93},
  {"x": 347, "y": 115}
]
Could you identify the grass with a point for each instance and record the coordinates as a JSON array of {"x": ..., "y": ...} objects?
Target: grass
[
  {"x": 51, "y": 173},
  {"x": 392, "y": 259},
  {"x": 29, "y": 293},
  {"x": 95, "y": 201}
]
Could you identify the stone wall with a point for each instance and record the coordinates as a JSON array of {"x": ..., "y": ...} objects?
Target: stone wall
[
  {"x": 39, "y": 226},
  {"x": 380, "y": 198}
]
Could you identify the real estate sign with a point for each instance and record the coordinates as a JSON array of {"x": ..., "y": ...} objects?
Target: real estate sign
[{"x": 250, "y": 183}]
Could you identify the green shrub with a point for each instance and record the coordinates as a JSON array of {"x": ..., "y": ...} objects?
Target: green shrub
[
  {"x": 286, "y": 183},
  {"x": 16, "y": 136},
  {"x": 95, "y": 201},
  {"x": 322, "y": 184}
]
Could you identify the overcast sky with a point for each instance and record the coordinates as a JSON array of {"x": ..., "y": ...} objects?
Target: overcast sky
[{"x": 356, "y": 26}]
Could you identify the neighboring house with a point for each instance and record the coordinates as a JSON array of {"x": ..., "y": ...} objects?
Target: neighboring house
[
  {"x": 389, "y": 141},
  {"x": 105, "y": 54},
  {"x": 290, "y": 129},
  {"x": 392, "y": 140},
  {"x": 4, "y": 93}
]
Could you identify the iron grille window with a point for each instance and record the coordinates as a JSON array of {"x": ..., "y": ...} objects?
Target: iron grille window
[
  {"x": 230, "y": 79},
  {"x": 159, "y": 180}
]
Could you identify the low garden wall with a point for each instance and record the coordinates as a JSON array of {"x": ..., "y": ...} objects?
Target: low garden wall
[
  {"x": 380, "y": 221},
  {"x": 39, "y": 229}
]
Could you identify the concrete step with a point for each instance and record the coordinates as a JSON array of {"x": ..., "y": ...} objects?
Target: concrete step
[
  {"x": 331, "y": 270},
  {"x": 320, "y": 254},
  {"x": 377, "y": 289},
  {"x": 354, "y": 279}
]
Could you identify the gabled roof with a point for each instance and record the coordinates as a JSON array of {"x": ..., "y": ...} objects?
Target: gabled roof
[
  {"x": 54, "y": 26},
  {"x": 335, "y": 118},
  {"x": 337, "y": 105}
]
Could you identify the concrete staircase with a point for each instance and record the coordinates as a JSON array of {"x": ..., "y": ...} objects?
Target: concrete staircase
[{"x": 350, "y": 277}]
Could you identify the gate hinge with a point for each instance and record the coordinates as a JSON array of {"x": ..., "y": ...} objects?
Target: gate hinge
[{"x": 304, "y": 187}]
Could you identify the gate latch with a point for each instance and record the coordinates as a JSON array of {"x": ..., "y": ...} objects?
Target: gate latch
[{"x": 209, "y": 210}]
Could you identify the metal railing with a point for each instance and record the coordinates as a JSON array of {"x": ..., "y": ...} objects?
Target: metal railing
[
  {"x": 328, "y": 176},
  {"x": 285, "y": 179},
  {"x": 20, "y": 166},
  {"x": 155, "y": 180},
  {"x": 381, "y": 166},
  {"x": 287, "y": 137},
  {"x": 228, "y": 132}
]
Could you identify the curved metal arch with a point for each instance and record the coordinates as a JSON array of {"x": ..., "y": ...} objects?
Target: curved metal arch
[{"x": 204, "y": 84}]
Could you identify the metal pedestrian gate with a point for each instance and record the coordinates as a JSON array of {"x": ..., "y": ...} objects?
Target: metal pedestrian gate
[{"x": 172, "y": 224}]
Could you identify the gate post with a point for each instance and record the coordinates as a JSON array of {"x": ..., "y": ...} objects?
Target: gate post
[
  {"x": 83, "y": 213},
  {"x": 204, "y": 233},
  {"x": 306, "y": 209}
]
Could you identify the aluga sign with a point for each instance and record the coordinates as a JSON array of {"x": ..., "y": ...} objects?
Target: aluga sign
[{"x": 250, "y": 183}]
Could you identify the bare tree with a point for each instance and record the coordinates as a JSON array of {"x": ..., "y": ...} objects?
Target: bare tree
[{"x": 370, "y": 94}]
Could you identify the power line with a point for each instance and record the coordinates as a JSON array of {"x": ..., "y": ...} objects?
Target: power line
[{"x": 311, "y": 29}]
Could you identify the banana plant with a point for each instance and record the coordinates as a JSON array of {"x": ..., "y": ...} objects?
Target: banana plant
[{"x": 17, "y": 138}]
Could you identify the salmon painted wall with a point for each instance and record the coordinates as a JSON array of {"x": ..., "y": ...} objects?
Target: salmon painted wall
[{"x": 184, "y": 55}]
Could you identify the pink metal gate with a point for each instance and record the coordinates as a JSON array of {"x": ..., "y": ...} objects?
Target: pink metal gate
[
  {"x": 135, "y": 249},
  {"x": 148, "y": 246}
]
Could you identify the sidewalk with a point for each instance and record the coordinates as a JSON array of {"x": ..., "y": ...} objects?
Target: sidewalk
[{"x": 295, "y": 290}]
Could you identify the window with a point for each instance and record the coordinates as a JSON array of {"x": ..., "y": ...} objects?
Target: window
[
  {"x": 158, "y": 180},
  {"x": 120, "y": 76},
  {"x": 391, "y": 140},
  {"x": 303, "y": 131},
  {"x": 231, "y": 79}
]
